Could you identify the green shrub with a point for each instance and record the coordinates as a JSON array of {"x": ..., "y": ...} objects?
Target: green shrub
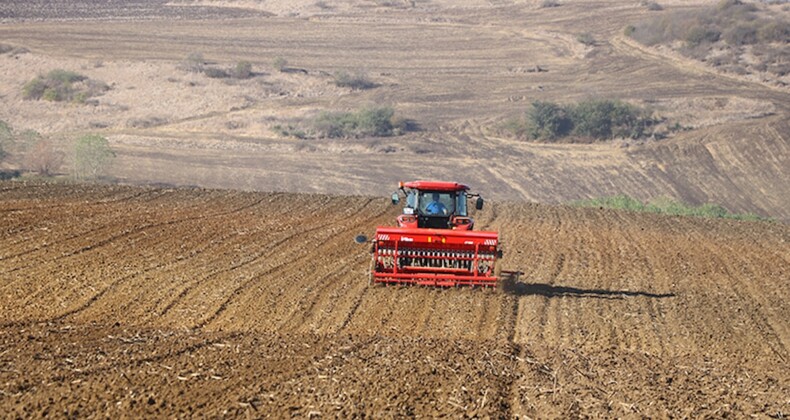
[
  {"x": 280, "y": 64},
  {"x": 62, "y": 85},
  {"x": 194, "y": 63},
  {"x": 699, "y": 34},
  {"x": 586, "y": 39},
  {"x": 597, "y": 119},
  {"x": 357, "y": 81},
  {"x": 34, "y": 89},
  {"x": 547, "y": 121},
  {"x": 550, "y": 3},
  {"x": 778, "y": 31},
  {"x": 290, "y": 131},
  {"x": 92, "y": 154},
  {"x": 741, "y": 35},
  {"x": 367, "y": 122},
  {"x": 5, "y": 131},
  {"x": 605, "y": 119},
  {"x": 215, "y": 73},
  {"x": 6, "y": 136},
  {"x": 243, "y": 70},
  {"x": 652, "y": 6},
  {"x": 147, "y": 122}
]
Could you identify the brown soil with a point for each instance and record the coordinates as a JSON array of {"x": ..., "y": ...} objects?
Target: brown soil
[{"x": 141, "y": 302}]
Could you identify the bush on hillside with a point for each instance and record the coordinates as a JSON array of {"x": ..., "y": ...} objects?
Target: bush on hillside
[
  {"x": 598, "y": 119},
  {"x": 548, "y": 121},
  {"x": 550, "y": 3},
  {"x": 61, "y": 85},
  {"x": 375, "y": 122},
  {"x": 194, "y": 63},
  {"x": 92, "y": 154},
  {"x": 243, "y": 70},
  {"x": 6, "y": 136},
  {"x": 369, "y": 122},
  {"x": 280, "y": 64},
  {"x": 606, "y": 119},
  {"x": 586, "y": 39},
  {"x": 728, "y": 25},
  {"x": 357, "y": 81}
]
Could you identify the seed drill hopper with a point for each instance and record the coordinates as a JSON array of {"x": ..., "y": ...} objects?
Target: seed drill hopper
[{"x": 434, "y": 244}]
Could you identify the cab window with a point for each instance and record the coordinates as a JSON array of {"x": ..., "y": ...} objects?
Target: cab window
[
  {"x": 434, "y": 203},
  {"x": 461, "y": 206}
]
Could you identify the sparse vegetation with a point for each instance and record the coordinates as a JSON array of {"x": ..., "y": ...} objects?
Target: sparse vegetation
[
  {"x": 147, "y": 122},
  {"x": 652, "y": 6},
  {"x": 586, "y": 39},
  {"x": 280, "y": 64},
  {"x": 62, "y": 85},
  {"x": 243, "y": 70},
  {"x": 358, "y": 81},
  {"x": 550, "y": 3},
  {"x": 17, "y": 143},
  {"x": 290, "y": 130},
  {"x": 6, "y": 136},
  {"x": 369, "y": 122},
  {"x": 666, "y": 206},
  {"x": 597, "y": 119},
  {"x": 92, "y": 154},
  {"x": 215, "y": 73},
  {"x": 194, "y": 63},
  {"x": 720, "y": 30}
]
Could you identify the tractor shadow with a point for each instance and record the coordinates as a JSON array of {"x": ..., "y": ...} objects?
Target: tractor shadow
[{"x": 513, "y": 286}]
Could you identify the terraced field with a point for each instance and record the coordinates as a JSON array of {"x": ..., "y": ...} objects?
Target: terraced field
[{"x": 168, "y": 302}]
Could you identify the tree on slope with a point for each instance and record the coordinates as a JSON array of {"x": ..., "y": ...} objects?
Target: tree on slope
[{"x": 92, "y": 154}]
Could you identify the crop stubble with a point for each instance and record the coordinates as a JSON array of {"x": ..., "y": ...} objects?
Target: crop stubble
[{"x": 175, "y": 301}]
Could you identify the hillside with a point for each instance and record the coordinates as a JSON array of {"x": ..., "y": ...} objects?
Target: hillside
[
  {"x": 457, "y": 71},
  {"x": 171, "y": 302}
]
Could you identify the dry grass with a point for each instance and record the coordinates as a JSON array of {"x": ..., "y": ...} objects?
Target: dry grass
[{"x": 456, "y": 69}]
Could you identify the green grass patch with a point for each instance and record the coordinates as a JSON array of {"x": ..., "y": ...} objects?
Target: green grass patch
[{"x": 667, "y": 206}]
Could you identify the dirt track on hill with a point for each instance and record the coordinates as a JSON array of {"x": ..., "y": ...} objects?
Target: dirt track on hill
[{"x": 168, "y": 302}]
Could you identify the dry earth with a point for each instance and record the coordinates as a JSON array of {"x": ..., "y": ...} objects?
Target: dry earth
[
  {"x": 458, "y": 69},
  {"x": 140, "y": 302}
]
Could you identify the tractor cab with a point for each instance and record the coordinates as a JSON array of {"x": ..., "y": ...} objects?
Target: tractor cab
[
  {"x": 434, "y": 244},
  {"x": 436, "y": 205}
]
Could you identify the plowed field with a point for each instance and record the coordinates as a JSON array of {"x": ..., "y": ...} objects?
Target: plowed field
[{"x": 171, "y": 302}]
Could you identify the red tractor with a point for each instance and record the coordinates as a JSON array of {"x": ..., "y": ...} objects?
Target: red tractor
[{"x": 434, "y": 243}]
